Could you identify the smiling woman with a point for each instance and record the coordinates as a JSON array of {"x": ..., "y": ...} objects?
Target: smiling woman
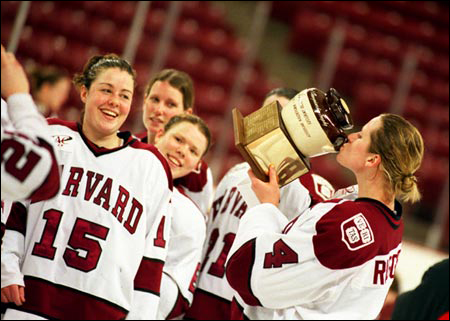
[
  {"x": 184, "y": 140},
  {"x": 111, "y": 218}
]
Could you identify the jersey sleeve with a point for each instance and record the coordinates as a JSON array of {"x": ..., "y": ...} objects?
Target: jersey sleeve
[
  {"x": 294, "y": 199},
  {"x": 29, "y": 164},
  {"x": 13, "y": 246},
  {"x": 147, "y": 281},
  {"x": 188, "y": 233}
]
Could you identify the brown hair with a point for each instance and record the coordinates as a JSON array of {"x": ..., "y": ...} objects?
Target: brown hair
[
  {"x": 177, "y": 79},
  {"x": 40, "y": 75},
  {"x": 99, "y": 63},
  {"x": 285, "y": 92},
  {"x": 401, "y": 148},
  {"x": 193, "y": 120}
]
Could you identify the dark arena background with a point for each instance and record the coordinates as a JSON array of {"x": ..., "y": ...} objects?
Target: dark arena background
[{"x": 383, "y": 56}]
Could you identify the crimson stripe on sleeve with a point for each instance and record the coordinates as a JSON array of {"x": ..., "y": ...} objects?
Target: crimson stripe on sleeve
[
  {"x": 208, "y": 306},
  {"x": 50, "y": 187},
  {"x": 55, "y": 301},
  {"x": 148, "y": 277},
  {"x": 239, "y": 271},
  {"x": 17, "y": 220},
  {"x": 180, "y": 307},
  {"x": 237, "y": 311}
]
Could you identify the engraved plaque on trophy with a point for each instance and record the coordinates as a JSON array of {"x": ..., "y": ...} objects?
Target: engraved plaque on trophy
[{"x": 311, "y": 124}]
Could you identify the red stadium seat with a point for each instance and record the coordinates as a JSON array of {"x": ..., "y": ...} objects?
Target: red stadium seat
[
  {"x": 187, "y": 59},
  {"x": 155, "y": 20},
  {"x": 438, "y": 115},
  {"x": 146, "y": 49},
  {"x": 431, "y": 177},
  {"x": 211, "y": 99},
  {"x": 187, "y": 33},
  {"x": 370, "y": 101},
  {"x": 9, "y": 10},
  {"x": 218, "y": 42},
  {"x": 416, "y": 107},
  {"x": 285, "y": 10},
  {"x": 310, "y": 32},
  {"x": 218, "y": 70}
]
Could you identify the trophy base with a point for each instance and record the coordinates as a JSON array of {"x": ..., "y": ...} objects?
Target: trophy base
[{"x": 262, "y": 140}]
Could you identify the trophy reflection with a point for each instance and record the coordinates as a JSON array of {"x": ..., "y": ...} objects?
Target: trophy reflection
[{"x": 311, "y": 124}]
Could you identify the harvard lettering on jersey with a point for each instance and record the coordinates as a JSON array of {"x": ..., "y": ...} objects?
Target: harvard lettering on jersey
[
  {"x": 29, "y": 166},
  {"x": 212, "y": 299},
  {"x": 198, "y": 185},
  {"x": 187, "y": 236},
  {"x": 96, "y": 243},
  {"x": 337, "y": 260}
]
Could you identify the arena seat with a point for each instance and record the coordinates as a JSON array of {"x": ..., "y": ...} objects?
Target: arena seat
[
  {"x": 210, "y": 98},
  {"x": 154, "y": 21},
  {"x": 431, "y": 178},
  {"x": 371, "y": 99},
  {"x": 187, "y": 59},
  {"x": 217, "y": 70},
  {"x": 310, "y": 32},
  {"x": 187, "y": 32}
]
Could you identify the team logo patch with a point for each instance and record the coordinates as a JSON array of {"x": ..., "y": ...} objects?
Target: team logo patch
[
  {"x": 356, "y": 232},
  {"x": 61, "y": 140},
  {"x": 323, "y": 188}
]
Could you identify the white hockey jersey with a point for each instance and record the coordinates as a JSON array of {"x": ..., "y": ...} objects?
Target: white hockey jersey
[
  {"x": 187, "y": 236},
  {"x": 335, "y": 261},
  {"x": 29, "y": 166},
  {"x": 213, "y": 296},
  {"x": 97, "y": 250}
]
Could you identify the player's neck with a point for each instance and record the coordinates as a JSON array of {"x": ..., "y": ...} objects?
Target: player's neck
[
  {"x": 376, "y": 189},
  {"x": 151, "y": 137},
  {"x": 110, "y": 141}
]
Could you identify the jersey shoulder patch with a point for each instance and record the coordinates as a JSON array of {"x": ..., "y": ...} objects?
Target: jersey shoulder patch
[{"x": 356, "y": 232}]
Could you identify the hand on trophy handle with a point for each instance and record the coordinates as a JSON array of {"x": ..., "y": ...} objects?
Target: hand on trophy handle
[{"x": 266, "y": 192}]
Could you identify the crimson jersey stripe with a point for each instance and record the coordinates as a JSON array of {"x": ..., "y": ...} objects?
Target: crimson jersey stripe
[
  {"x": 17, "y": 220},
  {"x": 50, "y": 186},
  {"x": 208, "y": 306},
  {"x": 55, "y": 301},
  {"x": 239, "y": 270},
  {"x": 180, "y": 307},
  {"x": 148, "y": 277},
  {"x": 195, "y": 182}
]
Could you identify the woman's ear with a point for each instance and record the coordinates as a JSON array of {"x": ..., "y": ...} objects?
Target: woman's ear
[
  {"x": 198, "y": 168},
  {"x": 83, "y": 93},
  {"x": 188, "y": 111},
  {"x": 373, "y": 160}
]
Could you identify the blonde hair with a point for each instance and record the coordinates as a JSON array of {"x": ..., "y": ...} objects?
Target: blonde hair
[{"x": 401, "y": 148}]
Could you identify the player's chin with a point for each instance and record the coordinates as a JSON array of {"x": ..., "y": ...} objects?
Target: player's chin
[{"x": 179, "y": 172}]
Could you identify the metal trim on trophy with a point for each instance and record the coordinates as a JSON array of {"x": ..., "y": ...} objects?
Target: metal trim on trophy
[{"x": 311, "y": 124}]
